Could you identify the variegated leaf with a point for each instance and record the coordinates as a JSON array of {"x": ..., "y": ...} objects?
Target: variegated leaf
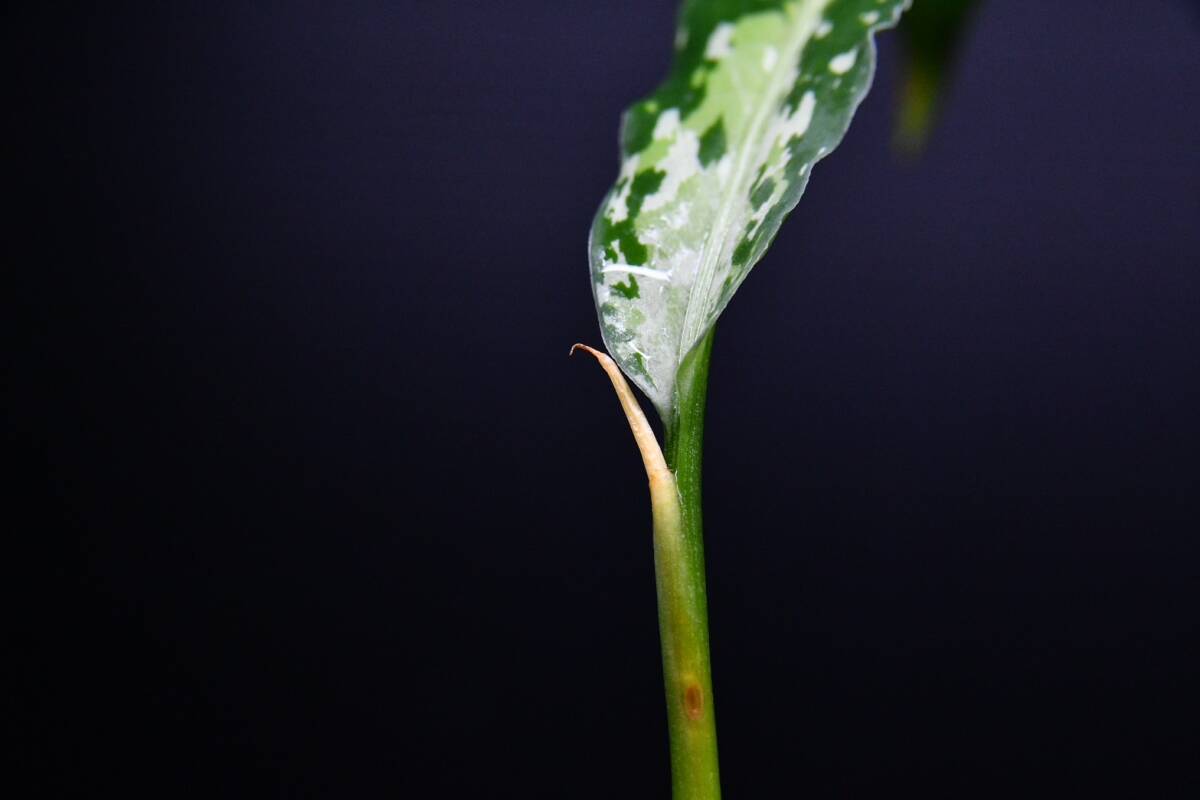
[{"x": 712, "y": 162}]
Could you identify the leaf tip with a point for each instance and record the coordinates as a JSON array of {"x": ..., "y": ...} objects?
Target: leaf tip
[
  {"x": 604, "y": 358},
  {"x": 643, "y": 434}
]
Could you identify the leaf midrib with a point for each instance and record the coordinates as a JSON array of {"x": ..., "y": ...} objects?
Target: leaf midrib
[{"x": 805, "y": 26}]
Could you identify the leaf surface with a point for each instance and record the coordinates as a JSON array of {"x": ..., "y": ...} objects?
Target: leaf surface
[
  {"x": 932, "y": 33},
  {"x": 712, "y": 162}
]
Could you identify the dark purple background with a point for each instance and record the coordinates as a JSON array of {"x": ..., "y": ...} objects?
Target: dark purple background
[{"x": 333, "y": 515}]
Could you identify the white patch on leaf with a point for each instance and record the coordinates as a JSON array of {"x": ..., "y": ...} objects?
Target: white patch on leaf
[
  {"x": 666, "y": 124},
  {"x": 681, "y": 162},
  {"x": 770, "y": 57},
  {"x": 618, "y": 208},
  {"x": 720, "y": 42},
  {"x": 841, "y": 63},
  {"x": 645, "y": 272},
  {"x": 795, "y": 124},
  {"x": 724, "y": 167}
]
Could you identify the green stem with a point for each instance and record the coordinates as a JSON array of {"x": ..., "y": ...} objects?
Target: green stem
[
  {"x": 679, "y": 568},
  {"x": 682, "y": 599}
]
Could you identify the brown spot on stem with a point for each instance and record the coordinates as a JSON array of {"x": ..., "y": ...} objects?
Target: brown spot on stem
[{"x": 693, "y": 701}]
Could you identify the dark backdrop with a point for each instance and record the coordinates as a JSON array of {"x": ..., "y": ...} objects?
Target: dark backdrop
[{"x": 333, "y": 515}]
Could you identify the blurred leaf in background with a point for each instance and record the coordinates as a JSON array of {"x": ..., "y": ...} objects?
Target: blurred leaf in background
[{"x": 932, "y": 31}]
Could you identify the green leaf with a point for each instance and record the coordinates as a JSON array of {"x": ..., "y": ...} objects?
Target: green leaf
[
  {"x": 932, "y": 33},
  {"x": 713, "y": 161}
]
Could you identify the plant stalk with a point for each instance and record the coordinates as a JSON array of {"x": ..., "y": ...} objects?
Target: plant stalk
[
  {"x": 682, "y": 596},
  {"x": 679, "y": 570}
]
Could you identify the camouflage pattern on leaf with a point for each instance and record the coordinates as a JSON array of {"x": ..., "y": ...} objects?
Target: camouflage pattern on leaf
[{"x": 714, "y": 160}]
